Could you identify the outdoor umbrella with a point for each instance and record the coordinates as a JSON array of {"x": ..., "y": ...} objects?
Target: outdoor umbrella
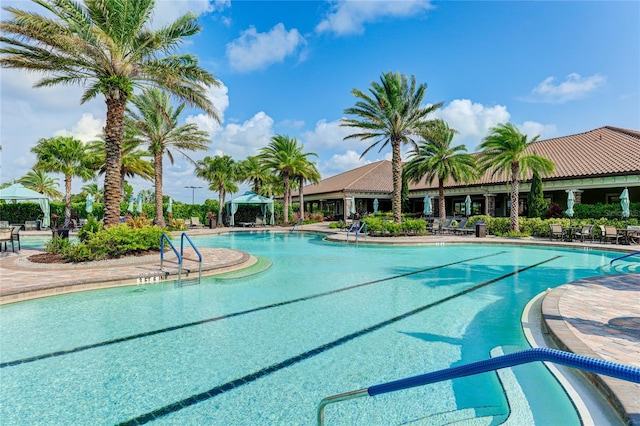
[
  {"x": 170, "y": 207},
  {"x": 139, "y": 203},
  {"x": 130, "y": 208},
  {"x": 624, "y": 202},
  {"x": 427, "y": 206},
  {"x": 352, "y": 208},
  {"x": 89, "y": 203},
  {"x": 375, "y": 206},
  {"x": 571, "y": 199},
  {"x": 467, "y": 206}
]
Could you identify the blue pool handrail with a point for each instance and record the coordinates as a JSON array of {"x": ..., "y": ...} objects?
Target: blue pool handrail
[
  {"x": 580, "y": 362},
  {"x": 164, "y": 238},
  {"x": 182, "y": 238},
  {"x": 623, "y": 257}
]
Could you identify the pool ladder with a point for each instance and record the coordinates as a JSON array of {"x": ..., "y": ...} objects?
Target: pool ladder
[
  {"x": 357, "y": 230},
  {"x": 580, "y": 362},
  {"x": 180, "y": 256},
  {"x": 296, "y": 225}
]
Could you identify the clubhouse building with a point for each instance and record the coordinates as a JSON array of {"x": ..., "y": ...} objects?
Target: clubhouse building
[{"x": 597, "y": 165}]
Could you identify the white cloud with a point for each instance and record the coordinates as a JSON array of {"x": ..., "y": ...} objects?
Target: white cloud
[
  {"x": 254, "y": 50},
  {"x": 350, "y": 17},
  {"x": 339, "y": 163},
  {"x": 87, "y": 129},
  {"x": 329, "y": 135},
  {"x": 167, "y": 11},
  {"x": 220, "y": 99},
  {"x": 573, "y": 87},
  {"x": 532, "y": 129},
  {"x": 471, "y": 120}
]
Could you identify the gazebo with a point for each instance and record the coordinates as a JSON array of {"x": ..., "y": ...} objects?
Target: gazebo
[
  {"x": 19, "y": 192},
  {"x": 253, "y": 199}
]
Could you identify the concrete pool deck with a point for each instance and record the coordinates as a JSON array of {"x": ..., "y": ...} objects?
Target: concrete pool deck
[{"x": 597, "y": 317}]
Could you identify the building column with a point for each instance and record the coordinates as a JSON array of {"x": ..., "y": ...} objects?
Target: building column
[{"x": 490, "y": 205}]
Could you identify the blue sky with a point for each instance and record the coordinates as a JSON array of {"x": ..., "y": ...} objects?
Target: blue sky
[{"x": 288, "y": 67}]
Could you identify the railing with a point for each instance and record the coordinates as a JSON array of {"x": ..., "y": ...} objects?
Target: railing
[
  {"x": 352, "y": 228},
  {"x": 180, "y": 255},
  {"x": 597, "y": 366},
  {"x": 199, "y": 260},
  {"x": 296, "y": 225},
  {"x": 357, "y": 230},
  {"x": 622, "y": 257}
]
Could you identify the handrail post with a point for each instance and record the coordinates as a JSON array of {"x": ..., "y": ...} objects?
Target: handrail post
[
  {"x": 178, "y": 255},
  {"x": 182, "y": 237}
]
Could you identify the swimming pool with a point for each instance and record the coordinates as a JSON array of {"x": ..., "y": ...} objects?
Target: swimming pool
[{"x": 265, "y": 349}]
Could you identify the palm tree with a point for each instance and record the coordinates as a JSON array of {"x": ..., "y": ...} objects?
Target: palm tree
[
  {"x": 106, "y": 48},
  {"x": 133, "y": 160},
  {"x": 222, "y": 174},
  {"x": 64, "y": 155},
  {"x": 436, "y": 158},
  {"x": 156, "y": 124},
  {"x": 306, "y": 172},
  {"x": 283, "y": 156},
  {"x": 507, "y": 151},
  {"x": 390, "y": 115},
  {"x": 253, "y": 172},
  {"x": 93, "y": 190},
  {"x": 41, "y": 182}
]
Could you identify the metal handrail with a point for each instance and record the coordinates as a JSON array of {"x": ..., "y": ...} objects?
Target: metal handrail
[
  {"x": 182, "y": 237},
  {"x": 353, "y": 227},
  {"x": 295, "y": 225},
  {"x": 362, "y": 229},
  {"x": 580, "y": 362},
  {"x": 622, "y": 257},
  {"x": 178, "y": 255}
]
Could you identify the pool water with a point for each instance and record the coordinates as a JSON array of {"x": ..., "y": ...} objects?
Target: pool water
[{"x": 326, "y": 318}]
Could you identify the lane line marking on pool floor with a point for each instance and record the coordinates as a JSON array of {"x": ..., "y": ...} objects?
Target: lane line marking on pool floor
[
  {"x": 217, "y": 390},
  {"x": 227, "y": 316}
]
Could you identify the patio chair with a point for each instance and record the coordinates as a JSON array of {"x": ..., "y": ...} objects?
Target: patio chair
[
  {"x": 634, "y": 234},
  {"x": 461, "y": 226},
  {"x": 30, "y": 225},
  {"x": 260, "y": 221},
  {"x": 446, "y": 226},
  {"x": 608, "y": 233},
  {"x": 15, "y": 235},
  {"x": 556, "y": 231},
  {"x": 585, "y": 232},
  {"x": 434, "y": 226},
  {"x": 6, "y": 237}
]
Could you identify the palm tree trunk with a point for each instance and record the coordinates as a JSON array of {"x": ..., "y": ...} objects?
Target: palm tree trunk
[
  {"x": 300, "y": 196},
  {"x": 157, "y": 171},
  {"x": 122, "y": 176},
  {"x": 285, "y": 205},
  {"x": 220, "y": 204},
  {"x": 441, "y": 204},
  {"x": 67, "y": 201},
  {"x": 114, "y": 133},
  {"x": 515, "y": 171},
  {"x": 396, "y": 165}
]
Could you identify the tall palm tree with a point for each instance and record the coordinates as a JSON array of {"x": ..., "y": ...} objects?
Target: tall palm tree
[
  {"x": 41, "y": 182},
  {"x": 391, "y": 115},
  {"x": 156, "y": 123},
  {"x": 507, "y": 152},
  {"x": 107, "y": 48},
  {"x": 253, "y": 172},
  {"x": 436, "y": 158},
  {"x": 133, "y": 160},
  {"x": 283, "y": 156},
  {"x": 306, "y": 172},
  {"x": 222, "y": 174},
  {"x": 66, "y": 155}
]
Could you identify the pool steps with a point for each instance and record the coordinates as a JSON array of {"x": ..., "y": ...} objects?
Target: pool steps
[{"x": 580, "y": 362}]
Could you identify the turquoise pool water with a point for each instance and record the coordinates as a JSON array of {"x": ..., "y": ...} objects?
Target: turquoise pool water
[{"x": 264, "y": 350}]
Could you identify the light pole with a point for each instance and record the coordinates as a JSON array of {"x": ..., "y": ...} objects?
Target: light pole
[{"x": 193, "y": 192}]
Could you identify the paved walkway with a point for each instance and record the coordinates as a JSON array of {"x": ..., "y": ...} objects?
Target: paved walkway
[{"x": 597, "y": 317}]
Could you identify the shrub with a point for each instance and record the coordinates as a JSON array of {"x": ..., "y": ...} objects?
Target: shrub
[
  {"x": 57, "y": 245},
  {"x": 88, "y": 229}
]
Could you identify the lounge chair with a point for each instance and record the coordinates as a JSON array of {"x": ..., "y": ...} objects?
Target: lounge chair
[
  {"x": 446, "y": 226},
  {"x": 195, "y": 222},
  {"x": 585, "y": 232},
  {"x": 434, "y": 226},
  {"x": 556, "y": 231},
  {"x": 260, "y": 221},
  {"x": 461, "y": 224}
]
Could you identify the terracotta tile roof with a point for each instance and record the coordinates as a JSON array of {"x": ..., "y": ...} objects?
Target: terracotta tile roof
[
  {"x": 604, "y": 151},
  {"x": 374, "y": 177}
]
